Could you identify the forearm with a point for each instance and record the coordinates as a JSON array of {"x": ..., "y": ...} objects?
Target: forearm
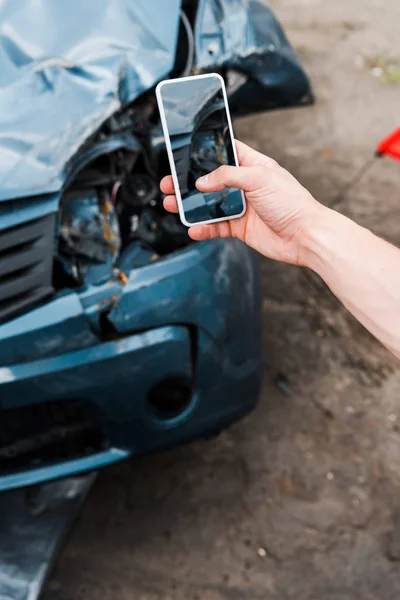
[{"x": 362, "y": 270}]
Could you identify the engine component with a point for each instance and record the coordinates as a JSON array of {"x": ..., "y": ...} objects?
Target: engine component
[
  {"x": 138, "y": 190},
  {"x": 89, "y": 234},
  {"x": 136, "y": 255},
  {"x": 208, "y": 152},
  {"x": 142, "y": 218},
  {"x": 136, "y": 193}
]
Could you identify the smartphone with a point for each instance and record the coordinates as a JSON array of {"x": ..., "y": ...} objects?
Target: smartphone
[{"x": 199, "y": 138}]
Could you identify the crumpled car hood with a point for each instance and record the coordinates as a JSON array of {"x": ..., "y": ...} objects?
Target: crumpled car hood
[{"x": 65, "y": 68}]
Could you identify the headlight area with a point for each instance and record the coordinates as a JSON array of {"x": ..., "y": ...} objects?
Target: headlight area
[
  {"x": 111, "y": 215},
  {"x": 112, "y": 219}
]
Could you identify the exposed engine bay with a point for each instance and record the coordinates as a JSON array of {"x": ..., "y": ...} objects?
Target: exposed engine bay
[
  {"x": 111, "y": 210},
  {"x": 111, "y": 213}
]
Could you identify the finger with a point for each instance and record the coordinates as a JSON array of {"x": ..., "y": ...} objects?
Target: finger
[
  {"x": 244, "y": 178},
  {"x": 209, "y": 232},
  {"x": 167, "y": 185},
  {"x": 248, "y": 157},
  {"x": 170, "y": 204},
  {"x": 200, "y": 233}
]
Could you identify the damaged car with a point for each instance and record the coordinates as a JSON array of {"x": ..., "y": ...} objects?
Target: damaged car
[{"x": 119, "y": 336}]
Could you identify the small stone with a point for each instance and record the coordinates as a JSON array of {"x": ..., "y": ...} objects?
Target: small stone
[
  {"x": 261, "y": 552},
  {"x": 330, "y": 476},
  {"x": 377, "y": 72},
  {"x": 282, "y": 383},
  {"x": 392, "y": 418},
  {"x": 327, "y": 152},
  {"x": 359, "y": 61},
  {"x": 349, "y": 410}
]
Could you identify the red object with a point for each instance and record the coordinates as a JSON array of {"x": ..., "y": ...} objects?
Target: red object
[{"x": 390, "y": 146}]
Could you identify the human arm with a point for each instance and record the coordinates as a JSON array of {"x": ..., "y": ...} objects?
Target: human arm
[
  {"x": 361, "y": 269},
  {"x": 284, "y": 222}
]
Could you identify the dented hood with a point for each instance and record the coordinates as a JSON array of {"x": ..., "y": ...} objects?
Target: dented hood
[{"x": 64, "y": 68}]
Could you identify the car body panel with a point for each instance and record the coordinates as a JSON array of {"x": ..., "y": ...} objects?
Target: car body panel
[
  {"x": 167, "y": 327},
  {"x": 103, "y": 56}
]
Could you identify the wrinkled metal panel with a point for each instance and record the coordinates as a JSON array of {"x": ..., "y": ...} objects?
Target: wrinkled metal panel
[
  {"x": 244, "y": 35},
  {"x": 227, "y": 31},
  {"x": 66, "y": 67}
]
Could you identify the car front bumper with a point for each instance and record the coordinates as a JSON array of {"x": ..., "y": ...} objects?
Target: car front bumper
[{"x": 193, "y": 316}]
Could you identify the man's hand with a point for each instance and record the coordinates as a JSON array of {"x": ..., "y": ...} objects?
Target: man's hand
[
  {"x": 283, "y": 221},
  {"x": 279, "y": 208}
]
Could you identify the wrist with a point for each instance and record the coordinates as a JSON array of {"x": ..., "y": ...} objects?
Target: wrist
[{"x": 324, "y": 237}]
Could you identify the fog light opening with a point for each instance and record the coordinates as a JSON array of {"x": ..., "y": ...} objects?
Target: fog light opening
[{"x": 170, "y": 398}]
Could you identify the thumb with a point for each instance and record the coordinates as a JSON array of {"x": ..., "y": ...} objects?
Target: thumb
[{"x": 247, "y": 179}]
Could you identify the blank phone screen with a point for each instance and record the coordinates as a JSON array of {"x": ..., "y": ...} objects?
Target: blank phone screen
[{"x": 201, "y": 141}]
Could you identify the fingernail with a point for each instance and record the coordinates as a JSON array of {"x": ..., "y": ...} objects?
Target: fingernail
[{"x": 203, "y": 180}]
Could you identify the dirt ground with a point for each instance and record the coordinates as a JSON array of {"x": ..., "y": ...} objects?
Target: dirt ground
[{"x": 301, "y": 499}]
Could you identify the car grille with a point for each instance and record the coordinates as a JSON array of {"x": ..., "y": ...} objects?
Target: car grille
[
  {"x": 44, "y": 434},
  {"x": 26, "y": 258}
]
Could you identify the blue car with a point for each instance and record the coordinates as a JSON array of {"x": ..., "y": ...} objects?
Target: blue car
[{"x": 118, "y": 335}]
